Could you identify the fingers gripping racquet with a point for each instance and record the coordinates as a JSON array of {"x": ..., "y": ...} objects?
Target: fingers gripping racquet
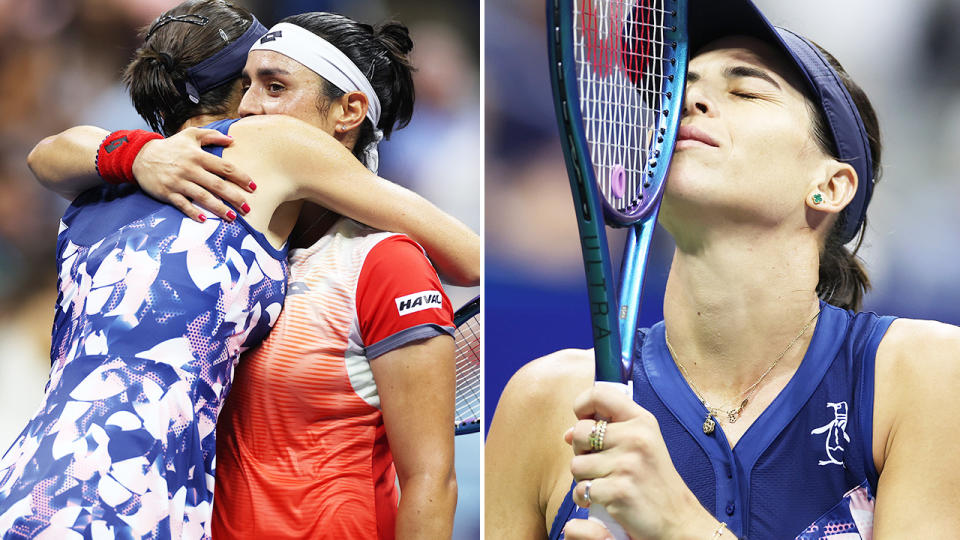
[
  {"x": 467, "y": 344},
  {"x": 618, "y": 69}
]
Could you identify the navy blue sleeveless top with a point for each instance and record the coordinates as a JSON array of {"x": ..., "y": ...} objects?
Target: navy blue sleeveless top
[{"x": 804, "y": 468}]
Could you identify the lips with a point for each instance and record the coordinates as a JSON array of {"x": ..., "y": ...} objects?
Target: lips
[{"x": 691, "y": 133}]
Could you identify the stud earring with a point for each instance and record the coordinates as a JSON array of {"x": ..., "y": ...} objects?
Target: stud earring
[
  {"x": 339, "y": 127},
  {"x": 817, "y": 198}
]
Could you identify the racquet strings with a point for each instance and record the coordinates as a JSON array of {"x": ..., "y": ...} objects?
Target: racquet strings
[
  {"x": 467, "y": 344},
  {"x": 619, "y": 48}
]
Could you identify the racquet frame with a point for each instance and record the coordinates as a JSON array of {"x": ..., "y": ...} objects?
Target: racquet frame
[
  {"x": 613, "y": 319},
  {"x": 467, "y": 393}
]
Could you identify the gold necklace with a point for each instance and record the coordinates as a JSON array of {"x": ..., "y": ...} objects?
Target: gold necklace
[{"x": 732, "y": 414}]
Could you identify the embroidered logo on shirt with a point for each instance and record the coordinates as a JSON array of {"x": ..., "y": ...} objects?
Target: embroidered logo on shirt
[
  {"x": 415, "y": 302},
  {"x": 835, "y": 429}
]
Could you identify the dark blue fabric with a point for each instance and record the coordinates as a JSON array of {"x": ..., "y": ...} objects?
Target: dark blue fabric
[
  {"x": 843, "y": 119},
  {"x": 223, "y": 126},
  {"x": 224, "y": 66},
  {"x": 772, "y": 485}
]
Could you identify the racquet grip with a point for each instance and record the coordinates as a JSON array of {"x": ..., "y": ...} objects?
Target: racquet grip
[
  {"x": 598, "y": 511},
  {"x": 616, "y": 531}
]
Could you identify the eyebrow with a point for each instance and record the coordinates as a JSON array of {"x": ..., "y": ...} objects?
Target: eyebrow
[
  {"x": 735, "y": 72},
  {"x": 267, "y": 72}
]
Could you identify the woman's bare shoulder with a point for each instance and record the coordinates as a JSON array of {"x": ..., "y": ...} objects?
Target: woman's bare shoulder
[
  {"x": 917, "y": 375},
  {"x": 918, "y": 351},
  {"x": 527, "y": 461},
  {"x": 556, "y": 373}
]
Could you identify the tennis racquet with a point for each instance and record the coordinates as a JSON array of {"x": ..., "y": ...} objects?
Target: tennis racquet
[
  {"x": 467, "y": 343},
  {"x": 618, "y": 69}
]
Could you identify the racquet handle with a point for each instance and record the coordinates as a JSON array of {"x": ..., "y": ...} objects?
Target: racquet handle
[
  {"x": 616, "y": 531},
  {"x": 598, "y": 511}
]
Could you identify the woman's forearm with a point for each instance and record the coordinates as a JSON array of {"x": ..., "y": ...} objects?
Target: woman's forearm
[
  {"x": 66, "y": 163},
  {"x": 320, "y": 169},
  {"x": 455, "y": 250},
  {"x": 427, "y": 506}
]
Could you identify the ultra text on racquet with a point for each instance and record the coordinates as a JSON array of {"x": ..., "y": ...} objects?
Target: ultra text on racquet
[{"x": 618, "y": 69}]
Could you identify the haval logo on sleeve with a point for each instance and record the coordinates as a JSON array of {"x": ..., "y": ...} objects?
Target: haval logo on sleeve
[{"x": 415, "y": 302}]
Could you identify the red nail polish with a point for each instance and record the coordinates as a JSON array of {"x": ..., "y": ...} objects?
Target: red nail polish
[
  {"x": 245, "y": 207},
  {"x": 231, "y": 215},
  {"x": 253, "y": 186},
  {"x": 202, "y": 218}
]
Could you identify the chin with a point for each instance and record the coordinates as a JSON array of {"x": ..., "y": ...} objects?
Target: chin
[
  {"x": 696, "y": 191},
  {"x": 689, "y": 174}
]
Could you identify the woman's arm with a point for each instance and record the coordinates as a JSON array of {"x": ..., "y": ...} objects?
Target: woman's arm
[
  {"x": 175, "y": 170},
  {"x": 66, "y": 163},
  {"x": 320, "y": 169},
  {"x": 416, "y": 387},
  {"x": 317, "y": 167},
  {"x": 915, "y": 443},
  {"x": 527, "y": 463}
]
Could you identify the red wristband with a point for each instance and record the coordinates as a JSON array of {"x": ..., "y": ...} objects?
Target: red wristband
[{"x": 117, "y": 152}]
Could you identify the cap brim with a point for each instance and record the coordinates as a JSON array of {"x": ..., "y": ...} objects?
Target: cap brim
[{"x": 710, "y": 20}]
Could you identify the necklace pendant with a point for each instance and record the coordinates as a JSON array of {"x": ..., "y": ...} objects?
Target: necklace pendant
[
  {"x": 708, "y": 425},
  {"x": 732, "y": 416}
]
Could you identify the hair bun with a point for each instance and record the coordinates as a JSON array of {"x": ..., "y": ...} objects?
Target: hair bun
[
  {"x": 395, "y": 37},
  {"x": 160, "y": 59},
  {"x": 167, "y": 61}
]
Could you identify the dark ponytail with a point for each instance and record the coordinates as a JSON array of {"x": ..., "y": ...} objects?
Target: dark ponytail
[
  {"x": 843, "y": 278},
  {"x": 178, "y": 40},
  {"x": 381, "y": 53},
  {"x": 395, "y": 40}
]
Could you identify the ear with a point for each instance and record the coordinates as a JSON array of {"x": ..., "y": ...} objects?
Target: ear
[
  {"x": 352, "y": 111},
  {"x": 836, "y": 189}
]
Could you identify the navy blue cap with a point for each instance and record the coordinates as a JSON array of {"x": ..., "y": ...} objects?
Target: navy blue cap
[
  {"x": 224, "y": 66},
  {"x": 713, "y": 19}
]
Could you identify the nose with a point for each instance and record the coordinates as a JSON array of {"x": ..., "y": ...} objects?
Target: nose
[
  {"x": 696, "y": 100},
  {"x": 249, "y": 104}
]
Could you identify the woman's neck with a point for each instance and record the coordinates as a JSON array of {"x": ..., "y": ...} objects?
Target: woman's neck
[
  {"x": 734, "y": 303},
  {"x": 203, "y": 119}
]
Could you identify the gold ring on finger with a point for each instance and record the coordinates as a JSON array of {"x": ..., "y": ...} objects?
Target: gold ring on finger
[{"x": 596, "y": 435}]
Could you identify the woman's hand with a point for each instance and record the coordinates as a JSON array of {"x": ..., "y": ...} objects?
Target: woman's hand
[
  {"x": 176, "y": 170},
  {"x": 632, "y": 476}
]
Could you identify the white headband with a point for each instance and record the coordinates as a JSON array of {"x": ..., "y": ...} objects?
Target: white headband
[{"x": 327, "y": 61}]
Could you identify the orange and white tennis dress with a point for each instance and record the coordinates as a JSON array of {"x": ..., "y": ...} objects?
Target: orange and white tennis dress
[{"x": 302, "y": 450}]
